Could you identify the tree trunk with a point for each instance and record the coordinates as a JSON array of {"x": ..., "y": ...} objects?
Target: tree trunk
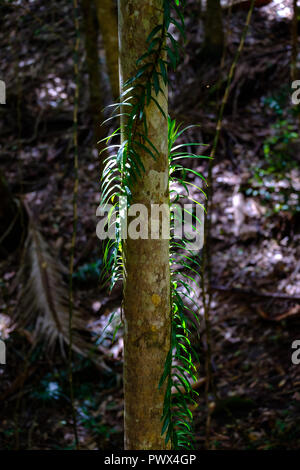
[
  {"x": 214, "y": 36},
  {"x": 294, "y": 71},
  {"x": 13, "y": 220},
  {"x": 147, "y": 276},
  {"x": 107, "y": 20},
  {"x": 96, "y": 106}
]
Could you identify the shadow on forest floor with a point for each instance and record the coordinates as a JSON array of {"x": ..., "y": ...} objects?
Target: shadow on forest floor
[{"x": 255, "y": 237}]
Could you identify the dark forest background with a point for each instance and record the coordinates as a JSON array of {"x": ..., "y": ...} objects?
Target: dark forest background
[{"x": 255, "y": 230}]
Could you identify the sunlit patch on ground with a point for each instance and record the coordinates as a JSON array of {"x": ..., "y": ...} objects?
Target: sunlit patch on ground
[
  {"x": 5, "y": 324},
  {"x": 279, "y": 8},
  {"x": 52, "y": 92}
]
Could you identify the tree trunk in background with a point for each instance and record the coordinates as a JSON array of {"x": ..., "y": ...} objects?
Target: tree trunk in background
[
  {"x": 107, "y": 19},
  {"x": 294, "y": 56},
  {"x": 294, "y": 72},
  {"x": 96, "y": 106},
  {"x": 147, "y": 276},
  {"x": 13, "y": 221},
  {"x": 213, "y": 26}
]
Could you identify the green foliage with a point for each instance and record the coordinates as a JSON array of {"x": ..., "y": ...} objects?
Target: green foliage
[
  {"x": 272, "y": 179},
  {"x": 278, "y": 101},
  {"x": 276, "y": 148},
  {"x": 54, "y": 387},
  {"x": 179, "y": 371},
  {"x": 124, "y": 167},
  {"x": 48, "y": 390},
  {"x": 89, "y": 271},
  {"x": 91, "y": 420},
  {"x": 279, "y": 159}
]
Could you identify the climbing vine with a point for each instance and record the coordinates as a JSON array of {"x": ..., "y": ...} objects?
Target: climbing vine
[{"x": 122, "y": 169}]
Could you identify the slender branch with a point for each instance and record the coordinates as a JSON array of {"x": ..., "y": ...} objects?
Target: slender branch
[
  {"x": 75, "y": 215},
  {"x": 254, "y": 293}
]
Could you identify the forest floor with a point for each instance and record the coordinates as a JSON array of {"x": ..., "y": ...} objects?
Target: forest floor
[{"x": 255, "y": 235}]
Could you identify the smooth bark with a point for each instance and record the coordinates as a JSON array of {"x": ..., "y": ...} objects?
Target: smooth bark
[
  {"x": 107, "y": 19},
  {"x": 213, "y": 26},
  {"x": 294, "y": 71},
  {"x": 96, "y": 105},
  {"x": 147, "y": 276}
]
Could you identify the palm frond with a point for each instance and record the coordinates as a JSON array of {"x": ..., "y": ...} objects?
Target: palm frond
[{"x": 43, "y": 303}]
